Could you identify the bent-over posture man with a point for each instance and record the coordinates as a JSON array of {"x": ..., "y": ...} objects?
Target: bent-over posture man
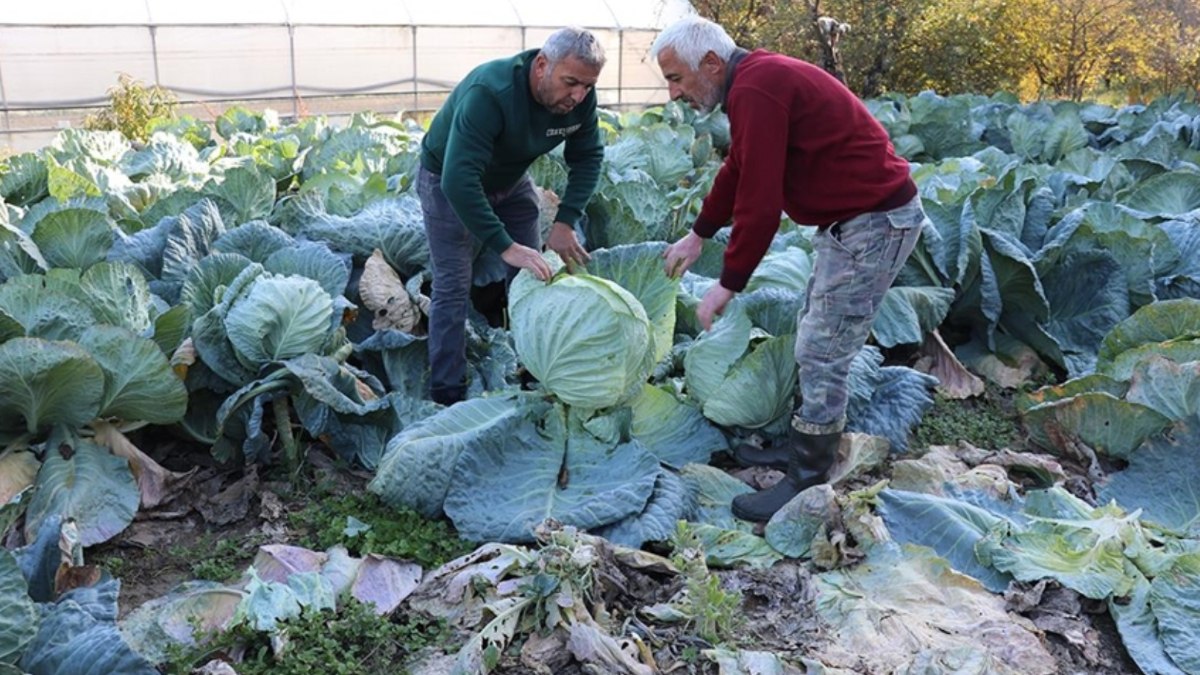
[
  {"x": 805, "y": 145},
  {"x": 474, "y": 188}
]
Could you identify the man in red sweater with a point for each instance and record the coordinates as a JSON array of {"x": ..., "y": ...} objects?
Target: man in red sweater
[{"x": 802, "y": 144}]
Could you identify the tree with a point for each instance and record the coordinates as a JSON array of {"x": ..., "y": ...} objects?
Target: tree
[
  {"x": 770, "y": 24},
  {"x": 1057, "y": 48},
  {"x": 866, "y": 53},
  {"x": 1166, "y": 58},
  {"x": 878, "y": 34},
  {"x": 1076, "y": 42},
  {"x": 964, "y": 46}
]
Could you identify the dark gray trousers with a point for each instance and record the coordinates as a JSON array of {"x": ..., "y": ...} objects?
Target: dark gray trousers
[{"x": 452, "y": 249}]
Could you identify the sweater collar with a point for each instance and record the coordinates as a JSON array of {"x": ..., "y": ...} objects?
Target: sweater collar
[{"x": 730, "y": 68}]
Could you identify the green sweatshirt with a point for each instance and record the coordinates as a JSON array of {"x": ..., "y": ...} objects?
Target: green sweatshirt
[{"x": 488, "y": 133}]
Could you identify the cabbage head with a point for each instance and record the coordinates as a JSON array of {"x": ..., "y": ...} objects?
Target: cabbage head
[
  {"x": 279, "y": 318},
  {"x": 264, "y": 318},
  {"x": 585, "y": 338}
]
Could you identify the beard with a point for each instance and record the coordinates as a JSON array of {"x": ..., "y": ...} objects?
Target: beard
[
  {"x": 545, "y": 96},
  {"x": 707, "y": 99}
]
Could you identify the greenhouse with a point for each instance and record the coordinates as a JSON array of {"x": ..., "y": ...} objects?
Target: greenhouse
[{"x": 298, "y": 57}]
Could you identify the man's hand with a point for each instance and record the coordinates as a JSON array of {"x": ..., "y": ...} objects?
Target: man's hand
[
  {"x": 682, "y": 254},
  {"x": 562, "y": 240},
  {"x": 713, "y": 304},
  {"x": 526, "y": 258}
]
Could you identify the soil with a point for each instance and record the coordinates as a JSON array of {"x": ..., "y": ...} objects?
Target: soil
[{"x": 237, "y": 511}]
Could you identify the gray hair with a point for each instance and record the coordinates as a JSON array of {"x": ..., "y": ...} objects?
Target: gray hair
[
  {"x": 576, "y": 42},
  {"x": 691, "y": 38}
]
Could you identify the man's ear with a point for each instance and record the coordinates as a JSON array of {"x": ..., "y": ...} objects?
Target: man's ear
[
  {"x": 539, "y": 64},
  {"x": 711, "y": 62}
]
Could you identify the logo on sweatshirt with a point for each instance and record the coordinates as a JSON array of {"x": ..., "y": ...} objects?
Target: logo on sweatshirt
[{"x": 562, "y": 131}]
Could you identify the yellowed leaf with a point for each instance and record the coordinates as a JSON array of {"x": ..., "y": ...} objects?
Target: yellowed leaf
[
  {"x": 155, "y": 483},
  {"x": 383, "y": 292},
  {"x": 18, "y": 469}
]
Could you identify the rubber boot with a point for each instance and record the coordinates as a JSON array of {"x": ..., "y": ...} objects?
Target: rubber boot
[
  {"x": 775, "y": 456},
  {"x": 810, "y": 458}
]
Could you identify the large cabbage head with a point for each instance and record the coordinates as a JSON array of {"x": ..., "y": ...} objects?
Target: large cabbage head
[{"x": 585, "y": 338}]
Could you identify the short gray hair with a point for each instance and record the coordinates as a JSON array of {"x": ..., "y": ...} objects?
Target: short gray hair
[
  {"x": 691, "y": 38},
  {"x": 576, "y": 42}
]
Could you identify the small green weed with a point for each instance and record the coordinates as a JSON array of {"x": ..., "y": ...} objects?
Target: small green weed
[
  {"x": 351, "y": 641},
  {"x": 982, "y": 422},
  {"x": 218, "y": 559},
  {"x": 713, "y": 612},
  {"x": 364, "y": 524},
  {"x": 115, "y": 564}
]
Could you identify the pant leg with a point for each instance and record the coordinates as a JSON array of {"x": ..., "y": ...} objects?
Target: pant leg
[
  {"x": 857, "y": 261},
  {"x": 518, "y": 209},
  {"x": 451, "y": 250}
]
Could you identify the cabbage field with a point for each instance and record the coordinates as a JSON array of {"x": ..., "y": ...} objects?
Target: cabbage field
[{"x": 250, "y": 298}]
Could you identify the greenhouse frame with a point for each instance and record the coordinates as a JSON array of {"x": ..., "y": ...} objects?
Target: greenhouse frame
[{"x": 59, "y": 58}]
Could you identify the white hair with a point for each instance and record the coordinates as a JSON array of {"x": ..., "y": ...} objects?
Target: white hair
[{"x": 691, "y": 38}]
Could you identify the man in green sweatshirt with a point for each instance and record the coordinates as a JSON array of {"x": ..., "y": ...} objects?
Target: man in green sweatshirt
[{"x": 474, "y": 188}]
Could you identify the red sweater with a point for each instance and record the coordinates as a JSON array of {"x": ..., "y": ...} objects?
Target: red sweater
[{"x": 802, "y": 144}]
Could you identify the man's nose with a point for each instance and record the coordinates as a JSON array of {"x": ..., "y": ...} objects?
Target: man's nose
[{"x": 674, "y": 91}]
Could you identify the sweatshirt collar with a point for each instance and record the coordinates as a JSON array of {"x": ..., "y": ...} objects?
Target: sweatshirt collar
[{"x": 730, "y": 67}]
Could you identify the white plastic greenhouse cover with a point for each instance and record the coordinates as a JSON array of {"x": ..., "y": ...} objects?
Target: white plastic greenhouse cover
[{"x": 298, "y": 56}]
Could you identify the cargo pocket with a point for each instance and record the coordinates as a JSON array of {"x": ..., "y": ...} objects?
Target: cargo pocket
[{"x": 840, "y": 328}]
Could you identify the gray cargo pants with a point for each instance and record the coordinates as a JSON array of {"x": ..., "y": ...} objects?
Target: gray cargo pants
[
  {"x": 452, "y": 248},
  {"x": 857, "y": 260}
]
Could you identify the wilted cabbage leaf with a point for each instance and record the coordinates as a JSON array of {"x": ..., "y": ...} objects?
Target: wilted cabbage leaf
[
  {"x": 1104, "y": 422},
  {"x": 78, "y": 634},
  {"x": 903, "y": 605},
  {"x": 1138, "y": 626},
  {"x": 950, "y": 527},
  {"x": 1084, "y": 554},
  {"x": 1175, "y": 598},
  {"x": 180, "y": 617},
  {"x": 711, "y": 492}
]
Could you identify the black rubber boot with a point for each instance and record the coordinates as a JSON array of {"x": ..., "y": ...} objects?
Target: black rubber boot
[
  {"x": 775, "y": 456},
  {"x": 810, "y": 458}
]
